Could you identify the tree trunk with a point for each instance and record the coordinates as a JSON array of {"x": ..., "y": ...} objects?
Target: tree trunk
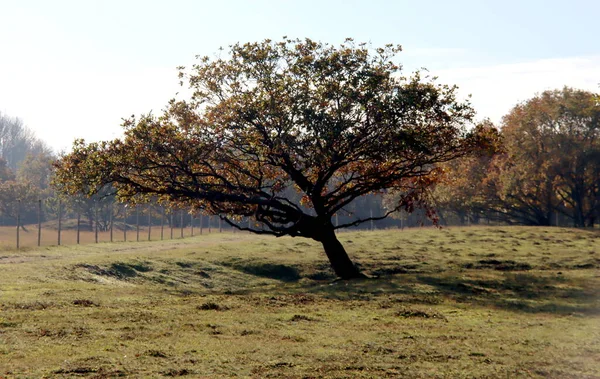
[{"x": 340, "y": 262}]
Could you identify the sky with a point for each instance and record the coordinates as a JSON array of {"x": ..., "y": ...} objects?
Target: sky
[{"x": 74, "y": 69}]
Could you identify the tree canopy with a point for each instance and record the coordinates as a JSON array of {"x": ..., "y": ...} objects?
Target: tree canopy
[
  {"x": 287, "y": 133},
  {"x": 550, "y": 165}
]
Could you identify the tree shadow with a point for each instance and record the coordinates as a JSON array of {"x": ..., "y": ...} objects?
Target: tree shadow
[
  {"x": 281, "y": 272},
  {"x": 523, "y": 292},
  {"x": 518, "y": 292}
]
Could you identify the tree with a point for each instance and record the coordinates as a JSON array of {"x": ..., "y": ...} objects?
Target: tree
[
  {"x": 467, "y": 187},
  {"x": 330, "y": 123},
  {"x": 550, "y": 163},
  {"x": 19, "y": 199},
  {"x": 17, "y": 141},
  {"x": 554, "y": 155},
  {"x": 37, "y": 169},
  {"x": 5, "y": 172}
]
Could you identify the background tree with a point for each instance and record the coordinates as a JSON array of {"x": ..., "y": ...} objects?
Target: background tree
[
  {"x": 5, "y": 172},
  {"x": 330, "y": 123},
  {"x": 553, "y": 163},
  {"x": 17, "y": 141},
  {"x": 19, "y": 198},
  {"x": 37, "y": 169},
  {"x": 25, "y": 168},
  {"x": 467, "y": 188},
  {"x": 550, "y": 164}
]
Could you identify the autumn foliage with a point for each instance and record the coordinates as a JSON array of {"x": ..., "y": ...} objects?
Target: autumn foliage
[{"x": 549, "y": 168}]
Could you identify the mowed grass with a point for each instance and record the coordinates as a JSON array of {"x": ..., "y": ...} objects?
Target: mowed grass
[{"x": 480, "y": 302}]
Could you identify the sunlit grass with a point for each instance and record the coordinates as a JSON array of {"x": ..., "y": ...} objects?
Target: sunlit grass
[{"x": 459, "y": 302}]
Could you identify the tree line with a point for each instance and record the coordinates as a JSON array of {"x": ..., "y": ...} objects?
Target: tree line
[{"x": 546, "y": 173}]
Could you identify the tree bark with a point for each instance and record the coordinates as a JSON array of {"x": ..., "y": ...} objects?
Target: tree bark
[{"x": 339, "y": 259}]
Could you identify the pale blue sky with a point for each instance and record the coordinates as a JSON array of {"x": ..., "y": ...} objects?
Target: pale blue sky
[{"x": 75, "y": 68}]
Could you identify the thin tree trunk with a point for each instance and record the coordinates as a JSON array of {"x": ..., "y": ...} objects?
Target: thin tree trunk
[{"x": 339, "y": 259}]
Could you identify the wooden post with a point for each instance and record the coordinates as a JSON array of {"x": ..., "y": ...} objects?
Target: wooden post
[
  {"x": 78, "y": 225},
  {"x": 39, "y": 222},
  {"x": 201, "y": 222},
  {"x": 372, "y": 227},
  {"x": 137, "y": 223},
  {"x": 96, "y": 221},
  {"x": 171, "y": 224},
  {"x": 111, "y": 222},
  {"x": 162, "y": 221},
  {"x": 220, "y": 225},
  {"x": 209, "y": 220},
  {"x": 18, "y": 223},
  {"x": 181, "y": 221},
  {"x": 149, "y": 222},
  {"x": 125, "y": 223},
  {"x": 192, "y": 222},
  {"x": 59, "y": 219}
]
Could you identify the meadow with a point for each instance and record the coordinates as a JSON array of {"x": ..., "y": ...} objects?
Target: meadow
[{"x": 478, "y": 302}]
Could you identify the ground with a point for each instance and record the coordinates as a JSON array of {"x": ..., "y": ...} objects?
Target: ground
[{"x": 480, "y": 302}]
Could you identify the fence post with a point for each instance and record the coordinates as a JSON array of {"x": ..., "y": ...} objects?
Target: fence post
[
  {"x": 149, "y": 222},
  {"x": 209, "y": 220},
  {"x": 78, "y": 224},
  {"x": 39, "y": 222},
  {"x": 162, "y": 221},
  {"x": 125, "y": 223},
  {"x": 59, "y": 219},
  {"x": 220, "y": 225},
  {"x": 171, "y": 224},
  {"x": 96, "y": 220},
  {"x": 18, "y": 222},
  {"x": 110, "y": 216},
  {"x": 192, "y": 221},
  {"x": 201, "y": 217},
  {"x": 181, "y": 221},
  {"x": 371, "y": 217},
  {"x": 137, "y": 223}
]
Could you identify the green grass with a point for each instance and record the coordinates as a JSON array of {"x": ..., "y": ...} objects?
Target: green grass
[{"x": 454, "y": 303}]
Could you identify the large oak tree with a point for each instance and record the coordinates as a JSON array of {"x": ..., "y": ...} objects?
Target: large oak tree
[{"x": 287, "y": 133}]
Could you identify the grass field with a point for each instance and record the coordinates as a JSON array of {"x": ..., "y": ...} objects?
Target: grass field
[{"x": 496, "y": 302}]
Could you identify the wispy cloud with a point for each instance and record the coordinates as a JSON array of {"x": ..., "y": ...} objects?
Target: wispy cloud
[
  {"x": 408, "y": 51},
  {"x": 496, "y": 89}
]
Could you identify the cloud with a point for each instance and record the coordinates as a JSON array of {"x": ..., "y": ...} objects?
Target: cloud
[
  {"x": 410, "y": 52},
  {"x": 497, "y": 89}
]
